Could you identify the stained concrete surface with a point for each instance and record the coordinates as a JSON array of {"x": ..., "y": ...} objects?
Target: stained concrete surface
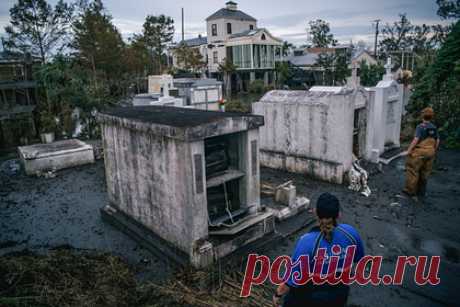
[{"x": 40, "y": 214}]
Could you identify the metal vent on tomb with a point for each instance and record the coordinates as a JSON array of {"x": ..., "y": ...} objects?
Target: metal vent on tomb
[{"x": 223, "y": 179}]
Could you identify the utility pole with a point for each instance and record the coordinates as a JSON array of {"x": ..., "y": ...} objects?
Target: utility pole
[
  {"x": 182, "y": 24},
  {"x": 376, "y": 36}
]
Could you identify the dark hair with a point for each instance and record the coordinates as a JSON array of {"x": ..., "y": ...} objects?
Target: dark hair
[{"x": 327, "y": 209}]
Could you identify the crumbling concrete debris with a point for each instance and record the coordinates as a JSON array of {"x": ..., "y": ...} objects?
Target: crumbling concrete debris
[
  {"x": 47, "y": 174},
  {"x": 358, "y": 177},
  {"x": 285, "y": 194}
]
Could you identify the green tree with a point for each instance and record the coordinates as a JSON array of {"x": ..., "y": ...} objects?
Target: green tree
[
  {"x": 332, "y": 62},
  {"x": 227, "y": 68},
  {"x": 370, "y": 75},
  {"x": 98, "y": 44},
  {"x": 449, "y": 8},
  {"x": 69, "y": 85},
  {"x": 439, "y": 87},
  {"x": 283, "y": 73},
  {"x": 137, "y": 62},
  {"x": 285, "y": 49},
  {"x": 320, "y": 34},
  {"x": 396, "y": 37},
  {"x": 189, "y": 58},
  {"x": 38, "y": 28},
  {"x": 334, "y": 66},
  {"x": 157, "y": 33}
]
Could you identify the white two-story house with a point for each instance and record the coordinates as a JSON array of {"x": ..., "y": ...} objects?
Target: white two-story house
[{"x": 234, "y": 36}]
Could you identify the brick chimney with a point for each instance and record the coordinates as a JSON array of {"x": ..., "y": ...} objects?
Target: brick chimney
[{"x": 231, "y": 5}]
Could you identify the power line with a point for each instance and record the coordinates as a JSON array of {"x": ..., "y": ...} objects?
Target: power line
[{"x": 376, "y": 36}]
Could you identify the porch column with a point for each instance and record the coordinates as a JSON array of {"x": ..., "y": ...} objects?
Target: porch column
[{"x": 266, "y": 78}]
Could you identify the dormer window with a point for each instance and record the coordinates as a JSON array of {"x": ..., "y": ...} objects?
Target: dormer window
[
  {"x": 229, "y": 28},
  {"x": 251, "y": 27},
  {"x": 263, "y": 36},
  {"x": 214, "y": 29}
]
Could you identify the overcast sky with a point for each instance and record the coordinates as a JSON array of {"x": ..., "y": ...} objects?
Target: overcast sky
[{"x": 287, "y": 19}]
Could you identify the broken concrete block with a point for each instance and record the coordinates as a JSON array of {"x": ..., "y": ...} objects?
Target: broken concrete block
[
  {"x": 286, "y": 195},
  {"x": 300, "y": 204},
  {"x": 40, "y": 158}
]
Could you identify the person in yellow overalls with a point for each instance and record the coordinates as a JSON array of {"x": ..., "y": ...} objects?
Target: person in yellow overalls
[{"x": 420, "y": 155}]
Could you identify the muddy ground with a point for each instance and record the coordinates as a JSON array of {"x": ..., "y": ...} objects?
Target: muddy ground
[{"x": 40, "y": 214}]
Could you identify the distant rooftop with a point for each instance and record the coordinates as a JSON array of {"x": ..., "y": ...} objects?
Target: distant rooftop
[
  {"x": 231, "y": 12},
  {"x": 307, "y": 59},
  {"x": 196, "y": 82},
  {"x": 7, "y": 57},
  {"x": 197, "y": 41},
  {"x": 247, "y": 33}
]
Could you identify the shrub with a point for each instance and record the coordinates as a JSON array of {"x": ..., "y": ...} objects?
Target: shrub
[
  {"x": 237, "y": 106},
  {"x": 256, "y": 87},
  {"x": 438, "y": 86}
]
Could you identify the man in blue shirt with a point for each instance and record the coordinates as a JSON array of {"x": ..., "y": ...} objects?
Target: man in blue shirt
[
  {"x": 328, "y": 234},
  {"x": 420, "y": 155}
]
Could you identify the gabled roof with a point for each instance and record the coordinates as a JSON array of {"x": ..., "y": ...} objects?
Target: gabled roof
[
  {"x": 307, "y": 59},
  {"x": 197, "y": 41},
  {"x": 249, "y": 33},
  {"x": 16, "y": 57},
  {"x": 245, "y": 33},
  {"x": 230, "y": 14},
  {"x": 358, "y": 53}
]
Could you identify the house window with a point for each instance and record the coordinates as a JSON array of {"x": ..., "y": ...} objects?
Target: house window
[
  {"x": 229, "y": 28},
  {"x": 215, "y": 59},
  {"x": 262, "y": 37},
  {"x": 251, "y": 27},
  {"x": 214, "y": 29}
]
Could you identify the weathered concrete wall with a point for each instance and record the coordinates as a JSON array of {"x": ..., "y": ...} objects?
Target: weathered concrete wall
[
  {"x": 210, "y": 106},
  {"x": 148, "y": 178},
  {"x": 156, "y": 170},
  {"x": 384, "y": 118},
  {"x": 307, "y": 132}
]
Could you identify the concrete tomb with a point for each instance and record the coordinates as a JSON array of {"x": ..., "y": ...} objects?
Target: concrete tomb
[
  {"x": 384, "y": 116},
  {"x": 320, "y": 132},
  {"x": 309, "y": 132},
  {"x": 203, "y": 94},
  {"x": 40, "y": 158},
  {"x": 158, "y": 83},
  {"x": 184, "y": 181}
]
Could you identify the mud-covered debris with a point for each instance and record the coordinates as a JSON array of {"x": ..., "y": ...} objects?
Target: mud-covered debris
[
  {"x": 65, "y": 277},
  {"x": 47, "y": 174},
  {"x": 10, "y": 167},
  {"x": 357, "y": 177}
]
